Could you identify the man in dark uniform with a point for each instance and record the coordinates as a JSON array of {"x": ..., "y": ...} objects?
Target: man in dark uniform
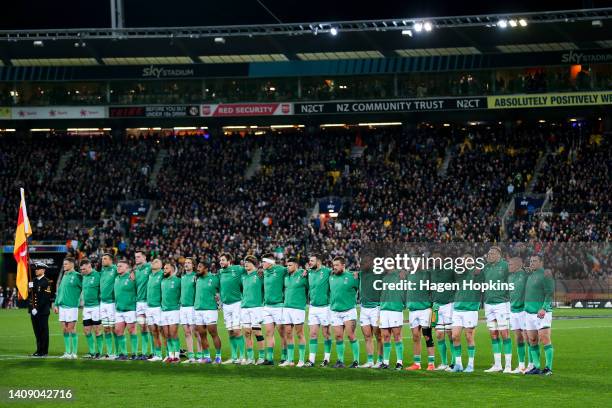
[{"x": 39, "y": 307}]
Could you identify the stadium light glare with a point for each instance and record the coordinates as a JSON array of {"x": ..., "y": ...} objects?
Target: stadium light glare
[
  {"x": 418, "y": 27},
  {"x": 38, "y": 43},
  {"x": 427, "y": 26},
  {"x": 407, "y": 32},
  {"x": 7, "y": 130},
  {"x": 333, "y": 31},
  {"x": 446, "y": 124},
  {"x": 542, "y": 121},
  {"x": 332, "y": 125},
  {"x": 40, "y": 130},
  {"x": 219, "y": 40},
  {"x": 522, "y": 22},
  {"x": 502, "y": 23},
  {"x": 185, "y": 128},
  {"x": 381, "y": 124},
  {"x": 285, "y": 126},
  {"x": 512, "y": 23}
]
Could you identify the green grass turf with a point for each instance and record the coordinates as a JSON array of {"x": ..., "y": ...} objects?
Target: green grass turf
[{"x": 581, "y": 376}]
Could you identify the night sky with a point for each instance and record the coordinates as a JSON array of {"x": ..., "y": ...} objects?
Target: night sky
[{"x": 37, "y": 14}]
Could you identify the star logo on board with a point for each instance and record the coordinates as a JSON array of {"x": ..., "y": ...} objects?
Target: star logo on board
[
  {"x": 22, "y": 113},
  {"x": 83, "y": 112},
  {"x": 52, "y": 112}
]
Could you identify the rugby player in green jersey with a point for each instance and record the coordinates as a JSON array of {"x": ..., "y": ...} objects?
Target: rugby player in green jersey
[
  {"x": 392, "y": 303},
  {"x": 274, "y": 280},
  {"x": 369, "y": 316},
  {"x": 497, "y": 310},
  {"x": 206, "y": 311},
  {"x": 539, "y": 292},
  {"x": 465, "y": 312},
  {"x": 251, "y": 310},
  {"x": 125, "y": 310},
  {"x": 142, "y": 270},
  {"x": 187, "y": 313},
  {"x": 108, "y": 273},
  {"x": 154, "y": 308},
  {"x": 419, "y": 317},
  {"x": 443, "y": 310},
  {"x": 170, "y": 306},
  {"x": 518, "y": 277},
  {"x": 343, "y": 287},
  {"x": 294, "y": 311},
  {"x": 318, "y": 310},
  {"x": 91, "y": 309},
  {"x": 231, "y": 296},
  {"x": 67, "y": 305}
]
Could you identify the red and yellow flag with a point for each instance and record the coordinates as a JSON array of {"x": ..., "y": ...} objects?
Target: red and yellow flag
[{"x": 20, "y": 250}]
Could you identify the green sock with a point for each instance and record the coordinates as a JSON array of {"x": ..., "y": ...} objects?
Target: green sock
[
  {"x": 206, "y": 353},
  {"x": 108, "y": 340},
  {"x": 380, "y": 358},
  {"x": 99, "y": 343},
  {"x": 117, "y": 343},
  {"x": 91, "y": 345},
  {"x": 270, "y": 353},
  {"x": 241, "y": 345},
  {"x": 431, "y": 359},
  {"x": 290, "y": 352},
  {"x": 157, "y": 351},
  {"x": 496, "y": 346},
  {"x": 284, "y": 353},
  {"x": 456, "y": 352},
  {"x": 75, "y": 342},
  {"x": 549, "y": 354},
  {"x": 417, "y": 359},
  {"x": 313, "y": 345},
  {"x": 442, "y": 351},
  {"x": 521, "y": 352},
  {"x": 355, "y": 350},
  {"x": 145, "y": 343},
  {"x": 134, "y": 343},
  {"x": 301, "y": 352},
  {"x": 261, "y": 354},
  {"x": 507, "y": 344},
  {"x": 371, "y": 358},
  {"x": 67, "y": 343},
  {"x": 386, "y": 352},
  {"x": 399, "y": 350},
  {"x": 122, "y": 347},
  {"x": 250, "y": 354},
  {"x": 234, "y": 347},
  {"x": 534, "y": 355},
  {"x": 471, "y": 351},
  {"x": 340, "y": 350},
  {"x": 198, "y": 355},
  {"x": 327, "y": 345},
  {"x": 190, "y": 355},
  {"x": 218, "y": 352}
]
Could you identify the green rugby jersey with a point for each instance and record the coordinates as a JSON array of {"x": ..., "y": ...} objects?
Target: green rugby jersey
[
  {"x": 142, "y": 273},
  {"x": 171, "y": 293},
  {"x": 207, "y": 286},
  {"x": 539, "y": 291},
  {"x": 517, "y": 296},
  {"x": 369, "y": 297},
  {"x": 91, "y": 289},
  {"x": 318, "y": 284},
  {"x": 392, "y": 300},
  {"x": 154, "y": 288},
  {"x": 125, "y": 293},
  {"x": 418, "y": 298},
  {"x": 274, "y": 280},
  {"x": 494, "y": 273},
  {"x": 443, "y": 276},
  {"x": 296, "y": 288},
  {"x": 252, "y": 290},
  {"x": 468, "y": 299},
  {"x": 69, "y": 291},
  {"x": 231, "y": 280},
  {"x": 188, "y": 284},
  {"x": 343, "y": 291},
  {"x": 107, "y": 283}
]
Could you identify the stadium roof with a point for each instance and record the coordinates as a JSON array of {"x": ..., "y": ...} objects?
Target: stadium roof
[{"x": 403, "y": 37}]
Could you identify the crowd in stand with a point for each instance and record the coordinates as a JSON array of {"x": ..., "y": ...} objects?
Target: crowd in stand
[{"x": 430, "y": 184}]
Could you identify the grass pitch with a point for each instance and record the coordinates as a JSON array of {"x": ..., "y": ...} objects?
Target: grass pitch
[{"x": 581, "y": 376}]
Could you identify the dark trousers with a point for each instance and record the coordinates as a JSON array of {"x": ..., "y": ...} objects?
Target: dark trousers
[{"x": 40, "y": 324}]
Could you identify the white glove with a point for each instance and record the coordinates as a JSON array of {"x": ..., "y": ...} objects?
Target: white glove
[
  {"x": 30, "y": 285},
  {"x": 34, "y": 311}
]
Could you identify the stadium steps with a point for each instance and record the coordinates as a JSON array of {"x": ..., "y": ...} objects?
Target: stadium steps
[
  {"x": 159, "y": 162},
  {"x": 536, "y": 172},
  {"x": 61, "y": 165},
  {"x": 255, "y": 164},
  {"x": 448, "y": 155}
]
